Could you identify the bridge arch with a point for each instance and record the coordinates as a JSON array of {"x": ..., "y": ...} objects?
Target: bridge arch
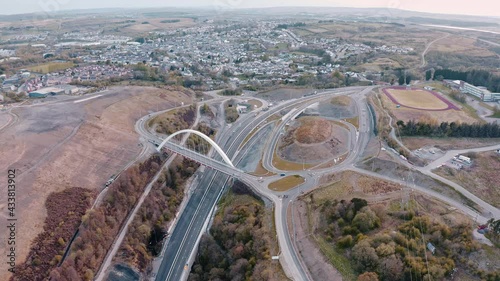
[{"x": 203, "y": 136}]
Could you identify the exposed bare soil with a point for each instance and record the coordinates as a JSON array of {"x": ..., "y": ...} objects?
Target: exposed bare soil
[
  {"x": 313, "y": 130},
  {"x": 447, "y": 143},
  {"x": 313, "y": 140},
  {"x": 54, "y": 147}
]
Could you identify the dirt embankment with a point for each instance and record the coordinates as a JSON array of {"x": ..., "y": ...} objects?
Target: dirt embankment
[
  {"x": 62, "y": 145},
  {"x": 313, "y": 140},
  {"x": 313, "y": 130}
]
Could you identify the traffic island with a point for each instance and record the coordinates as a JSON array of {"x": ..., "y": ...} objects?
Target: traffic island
[{"x": 286, "y": 183}]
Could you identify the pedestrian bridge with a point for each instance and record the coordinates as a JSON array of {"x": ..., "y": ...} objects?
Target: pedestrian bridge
[{"x": 225, "y": 166}]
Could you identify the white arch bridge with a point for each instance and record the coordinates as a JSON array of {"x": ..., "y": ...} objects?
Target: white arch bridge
[{"x": 226, "y": 166}]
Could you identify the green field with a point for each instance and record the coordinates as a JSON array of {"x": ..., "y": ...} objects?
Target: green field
[
  {"x": 286, "y": 183},
  {"x": 50, "y": 67}
]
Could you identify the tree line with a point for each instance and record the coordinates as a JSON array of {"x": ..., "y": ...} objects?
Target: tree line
[
  {"x": 231, "y": 92},
  {"x": 146, "y": 234},
  {"x": 445, "y": 129},
  {"x": 100, "y": 225},
  {"x": 474, "y": 77}
]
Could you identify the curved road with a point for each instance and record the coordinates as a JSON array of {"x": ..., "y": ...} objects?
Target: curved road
[{"x": 182, "y": 243}]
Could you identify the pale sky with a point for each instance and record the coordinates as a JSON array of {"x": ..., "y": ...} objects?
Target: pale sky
[{"x": 477, "y": 7}]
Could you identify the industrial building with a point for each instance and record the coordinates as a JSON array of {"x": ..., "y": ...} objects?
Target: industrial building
[{"x": 44, "y": 92}]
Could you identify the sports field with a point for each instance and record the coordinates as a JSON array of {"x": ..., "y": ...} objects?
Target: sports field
[
  {"x": 425, "y": 106},
  {"x": 418, "y": 99}
]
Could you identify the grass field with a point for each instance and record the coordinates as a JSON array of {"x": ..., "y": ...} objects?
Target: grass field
[
  {"x": 413, "y": 143},
  {"x": 338, "y": 260},
  {"x": 50, "y": 67},
  {"x": 159, "y": 24},
  {"x": 261, "y": 171},
  {"x": 341, "y": 100},
  {"x": 288, "y": 165},
  {"x": 380, "y": 64},
  {"x": 354, "y": 121},
  {"x": 286, "y": 183},
  {"x": 482, "y": 179},
  {"x": 281, "y": 46},
  {"x": 461, "y": 45},
  {"x": 406, "y": 114},
  {"x": 418, "y": 99},
  {"x": 255, "y": 103}
]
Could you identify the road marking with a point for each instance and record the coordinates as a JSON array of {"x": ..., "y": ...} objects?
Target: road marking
[
  {"x": 190, "y": 226},
  {"x": 94, "y": 97}
]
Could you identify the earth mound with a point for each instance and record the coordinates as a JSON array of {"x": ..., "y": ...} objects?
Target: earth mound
[{"x": 313, "y": 130}]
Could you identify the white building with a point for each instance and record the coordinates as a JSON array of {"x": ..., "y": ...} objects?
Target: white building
[{"x": 479, "y": 92}]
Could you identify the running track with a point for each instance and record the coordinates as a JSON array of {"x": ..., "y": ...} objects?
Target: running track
[{"x": 394, "y": 100}]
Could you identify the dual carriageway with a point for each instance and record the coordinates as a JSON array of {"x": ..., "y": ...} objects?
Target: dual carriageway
[{"x": 181, "y": 246}]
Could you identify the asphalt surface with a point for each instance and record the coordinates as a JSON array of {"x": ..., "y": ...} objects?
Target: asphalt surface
[{"x": 183, "y": 240}]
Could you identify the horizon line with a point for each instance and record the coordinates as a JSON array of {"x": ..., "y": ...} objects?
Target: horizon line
[{"x": 206, "y": 7}]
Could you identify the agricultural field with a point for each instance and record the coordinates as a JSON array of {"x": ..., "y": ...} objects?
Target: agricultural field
[
  {"x": 362, "y": 230},
  {"x": 481, "y": 178},
  {"x": 151, "y": 24},
  {"x": 380, "y": 64},
  {"x": 378, "y": 33}
]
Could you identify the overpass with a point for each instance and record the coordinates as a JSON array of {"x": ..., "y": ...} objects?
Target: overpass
[{"x": 225, "y": 167}]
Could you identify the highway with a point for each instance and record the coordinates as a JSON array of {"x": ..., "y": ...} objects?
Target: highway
[
  {"x": 186, "y": 233},
  {"x": 182, "y": 243}
]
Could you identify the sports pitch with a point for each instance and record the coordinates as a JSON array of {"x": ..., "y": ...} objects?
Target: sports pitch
[{"x": 418, "y": 99}]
